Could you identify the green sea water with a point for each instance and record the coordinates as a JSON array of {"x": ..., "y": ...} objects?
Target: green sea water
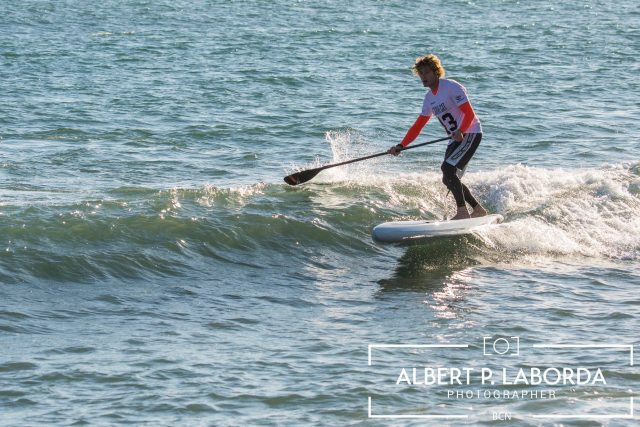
[{"x": 156, "y": 270}]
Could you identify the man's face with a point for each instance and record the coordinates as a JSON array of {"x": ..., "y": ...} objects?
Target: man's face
[{"x": 427, "y": 76}]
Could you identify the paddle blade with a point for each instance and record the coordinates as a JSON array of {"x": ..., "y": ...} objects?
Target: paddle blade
[{"x": 302, "y": 176}]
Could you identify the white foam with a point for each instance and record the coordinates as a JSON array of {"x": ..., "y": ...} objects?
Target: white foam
[
  {"x": 346, "y": 145},
  {"x": 590, "y": 212},
  {"x": 211, "y": 195}
]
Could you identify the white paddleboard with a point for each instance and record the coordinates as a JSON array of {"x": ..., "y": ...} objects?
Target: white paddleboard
[{"x": 398, "y": 231}]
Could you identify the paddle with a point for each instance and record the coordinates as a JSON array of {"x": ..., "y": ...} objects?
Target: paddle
[{"x": 306, "y": 175}]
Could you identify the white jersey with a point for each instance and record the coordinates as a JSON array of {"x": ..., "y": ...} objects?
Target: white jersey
[{"x": 445, "y": 105}]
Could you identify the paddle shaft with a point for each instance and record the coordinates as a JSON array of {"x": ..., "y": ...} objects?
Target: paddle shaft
[
  {"x": 346, "y": 162},
  {"x": 306, "y": 175}
]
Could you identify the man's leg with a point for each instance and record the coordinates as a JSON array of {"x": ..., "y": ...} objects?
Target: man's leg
[
  {"x": 458, "y": 155},
  {"x": 451, "y": 180}
]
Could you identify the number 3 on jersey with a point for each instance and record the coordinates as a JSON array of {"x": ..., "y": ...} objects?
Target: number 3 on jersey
[{"x": 451, "y": 124}]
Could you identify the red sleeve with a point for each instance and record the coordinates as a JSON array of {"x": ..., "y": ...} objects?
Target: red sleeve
[
  {"x": 469, "y": 115},
  {"x": 414, "y": 130}
]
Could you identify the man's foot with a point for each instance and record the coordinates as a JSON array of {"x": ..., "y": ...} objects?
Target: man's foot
[
  {"x": 478, "y": 211},
  {"x": 462, "y": 213}
]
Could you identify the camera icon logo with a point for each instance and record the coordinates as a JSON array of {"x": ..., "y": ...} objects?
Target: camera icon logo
[{"x": 502, "y": 346}]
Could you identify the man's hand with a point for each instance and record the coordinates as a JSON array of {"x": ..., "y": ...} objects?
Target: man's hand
[
  {"x": 457, "y": 136},
  {"x": 396, "y": 149}
]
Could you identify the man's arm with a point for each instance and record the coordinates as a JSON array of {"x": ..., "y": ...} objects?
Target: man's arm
[
  {"x": 414, "y": 130},
  {"x": 411, "y": 135},
  {"x": 469, "y": 115}
]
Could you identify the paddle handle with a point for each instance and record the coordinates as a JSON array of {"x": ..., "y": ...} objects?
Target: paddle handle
[{"x": 426, "y": 143}]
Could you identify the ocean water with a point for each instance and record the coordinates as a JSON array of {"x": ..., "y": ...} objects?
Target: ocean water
[{"x": 156, "y": 270}]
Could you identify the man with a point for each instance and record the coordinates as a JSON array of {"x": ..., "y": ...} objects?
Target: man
[{"x": 447, "y": 100}]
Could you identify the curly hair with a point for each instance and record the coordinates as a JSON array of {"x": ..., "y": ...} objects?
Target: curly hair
[{"x": 430, "y": 61}]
